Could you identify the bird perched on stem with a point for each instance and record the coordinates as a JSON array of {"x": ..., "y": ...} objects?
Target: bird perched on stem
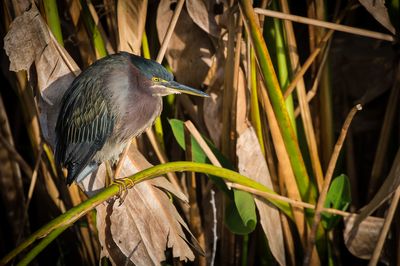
[{"x": 112, "y": 101}]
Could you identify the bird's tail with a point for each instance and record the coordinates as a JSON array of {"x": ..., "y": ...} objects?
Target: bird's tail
[{"x": 76, "y": 172}]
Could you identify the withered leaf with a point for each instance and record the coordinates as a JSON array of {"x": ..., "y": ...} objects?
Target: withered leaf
[
  {"x": 379, "y": 11},
  {"x": 131, "y": 17},
  {"x": 29, "y": 41},
  {"x": 251, "y": 163},
  {"x": 391, "y": 183},
  {"x": 212, "y": 105},
  {"x": 363, "y": 242},
  {"x": 201, "y": 11},
  {"x": 145, "y": 224},
  {"x": 190, "y": 49}
]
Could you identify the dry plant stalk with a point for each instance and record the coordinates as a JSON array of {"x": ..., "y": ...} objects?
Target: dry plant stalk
[
  {"x": 386, "y": 226},
  {"x": 296, "y": 203},
  {"x": 325, "y": 24},
  {"x": 286, "y": 172},
  {"x": 327, "y": 182}
]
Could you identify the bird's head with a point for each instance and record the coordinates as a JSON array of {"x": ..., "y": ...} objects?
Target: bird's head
[{"x": 161, "y": 80}]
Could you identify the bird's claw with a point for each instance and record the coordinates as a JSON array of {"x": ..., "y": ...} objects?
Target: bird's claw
[
  {"x": 123, "y": 186},
  {"x": 122, "y": 190}
]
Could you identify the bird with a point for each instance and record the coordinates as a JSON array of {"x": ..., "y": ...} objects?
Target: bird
[{"x": 113, "y": 100}]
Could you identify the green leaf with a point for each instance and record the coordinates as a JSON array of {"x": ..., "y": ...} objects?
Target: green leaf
[
  {"x": 338, "y": 197},
  {"x": 240, "y": 215},
  {"x": 177, "y": 129},
  {"x": 197, "y": 153}
]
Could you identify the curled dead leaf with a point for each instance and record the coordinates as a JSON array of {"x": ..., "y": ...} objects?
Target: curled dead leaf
[
  {"x": 29, "y": 41},
  {"x": 252, "y": 164},
  {"x": 379, "y": 11},
  {"x": 212, "y": 105},
  {"x": 190, "y": 49},
  {"x": 131, "y": 22},
  {"x": 202, "y": 13},
  {"x": 362, "y": 242},
  {"x": 26, "y": 29},
  {"x": 145, "y": 224},
  {"x": 392, "y": 182}
]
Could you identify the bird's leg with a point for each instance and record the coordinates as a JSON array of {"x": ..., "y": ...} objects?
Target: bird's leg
[
  {"x": 122, "y": 190},
  {"x": 118, "y": 170},
  {"x": 111, "y": 179},
  {"x": 110, "y": 176}
]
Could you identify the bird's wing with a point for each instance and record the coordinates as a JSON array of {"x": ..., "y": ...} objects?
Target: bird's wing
[{"x": 83, "y": 126}]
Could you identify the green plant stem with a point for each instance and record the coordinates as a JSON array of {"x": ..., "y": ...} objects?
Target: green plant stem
[
  {"x": 68, "y": 218},
  {"x": 245, "y": 250},
  {"x": 145, "y": 46},
  {"x": 282, "y": 63},
  {"x": 255, "y": 107},
  {"x": 306, "y": 187},
  {"x": 273, "y": 35},
  {"x": 53, "y": 20},
  {"x": 97, "y": 40},
  {"x": 42, "y": 245}
]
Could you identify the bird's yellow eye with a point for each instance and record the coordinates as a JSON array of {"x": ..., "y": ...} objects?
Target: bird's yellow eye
[{"x": 155, "y": 79}]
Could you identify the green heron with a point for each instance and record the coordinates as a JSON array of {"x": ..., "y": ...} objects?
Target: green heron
[{"x": 112, "y": 101}]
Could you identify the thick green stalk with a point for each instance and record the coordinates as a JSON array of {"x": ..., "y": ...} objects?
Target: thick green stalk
[
  {"x": 282, "y": 64},
  {"x": 306, "y": 187},
  {"x": 68, "y": 218},
  {"x": 255, "y": 107},
  {"x": 97, "y": 40},
  {"x": 53, "y": 20},
  {"x": 42, "y": 245}
]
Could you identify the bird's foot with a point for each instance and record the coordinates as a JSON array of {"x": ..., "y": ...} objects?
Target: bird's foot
[{"x": 122, "y": 190}]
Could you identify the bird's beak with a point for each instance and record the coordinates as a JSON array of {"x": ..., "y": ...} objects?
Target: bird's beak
[{"x": 176, "y": 87}]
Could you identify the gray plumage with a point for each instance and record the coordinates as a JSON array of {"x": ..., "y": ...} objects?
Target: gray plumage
[{"x": 113, "y": 100}]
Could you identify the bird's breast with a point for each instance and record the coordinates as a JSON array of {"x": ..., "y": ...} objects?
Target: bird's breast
[
  {"x": 139, "y": 115},
  {"x": 132, "y": 122}
]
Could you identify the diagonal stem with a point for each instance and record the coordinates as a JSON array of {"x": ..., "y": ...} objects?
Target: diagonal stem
[
  {"x": 66, "y": 219},
  {"x": 327, "y": 182},
  {"x": 325, "y": 24},
  {"x": 385, "y": 229}
]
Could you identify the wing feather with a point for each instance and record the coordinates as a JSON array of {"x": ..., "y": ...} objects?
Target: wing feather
[{"x": 83, "y": 126}]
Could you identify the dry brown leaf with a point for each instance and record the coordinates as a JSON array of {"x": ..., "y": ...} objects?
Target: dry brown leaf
[
  {"x": 364, "y": 243},
  {"x": 145, "y": 224},
  {"x": 355, "y": 234},
  {"x": 30, "y": 38},
  {"x": 131, "y": 17},
  {"x": 379, "y": 11},
  {"x": 212, "y": 115},
  {"x": 391, "y": 183},
  {"x": 190, "y": 50},
  {"x": 251, "y": 163},
  {"x": 213, "y": 104},
  {"x": 201, "y": 11},
  {"x": 28, "y": 41}
]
